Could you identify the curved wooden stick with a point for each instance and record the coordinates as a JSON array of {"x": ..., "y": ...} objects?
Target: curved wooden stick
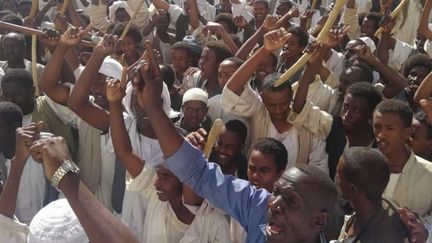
[
  {"x": 396, "y": 12},
  {"x": 34, "y": 9},
  {"x": 131, "y": 20},
  {"x": 213, "y": 135},
  {"x": 325, "y": 30},
  {"x": 64, "y": 8},
  {"x": 32, "y": 14}
]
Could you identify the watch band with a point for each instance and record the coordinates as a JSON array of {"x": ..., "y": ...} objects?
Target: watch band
[{"x": 66, "y": 167}]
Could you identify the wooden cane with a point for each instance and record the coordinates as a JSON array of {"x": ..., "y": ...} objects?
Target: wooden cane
[
  {"x": 33, "y": 11},
  {"x": 396, "y": 12},
  {"x": 131, "y": 20},
  {"x": 304, "y": 59},
  {"x": 212, "y": 137}
]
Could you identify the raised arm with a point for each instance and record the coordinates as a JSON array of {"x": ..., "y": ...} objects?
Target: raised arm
[
  {"x": 99, "y": 224},
  {"x": 218, "y": 29},
  {"x": 424, "y": 91},
  {"x": 8, "y": 198},
  {"x": 423, "y": 28},
  {"x": 161, "y": 4},
  {"x": 119, "y": 135},
  {"x": 49, "y": 82},
  {"x": 193, "y": 13},
  {"x": 79, "y": 99},
  {"x": 272, "y": 41},
  {"x": 395, "y": 82}
]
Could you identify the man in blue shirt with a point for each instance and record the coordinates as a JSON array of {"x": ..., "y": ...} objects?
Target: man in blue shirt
[{"x": 296, "y": 211}]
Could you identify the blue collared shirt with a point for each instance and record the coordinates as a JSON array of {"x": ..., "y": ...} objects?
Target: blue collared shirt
[{"x": 236, "y": 197}]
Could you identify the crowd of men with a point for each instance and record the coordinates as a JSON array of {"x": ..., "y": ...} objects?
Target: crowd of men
[{"x": 104, "y": 118}]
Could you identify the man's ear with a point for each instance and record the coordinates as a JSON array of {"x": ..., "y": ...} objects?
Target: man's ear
[
  {"x": 408, "y": 132},
  {"x": 320, "y": 221}
]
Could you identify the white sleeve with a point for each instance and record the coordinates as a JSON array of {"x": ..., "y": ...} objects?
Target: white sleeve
[
  {"x": 319, "y": 157},
  {"x": 245, "y": 105},
  {"x": 241, "y": 10},
  {"x": 11, "y": 230},
  {"x": 399, "y": 55},
  {"x": 64, "y": 113},
  {"x": 175, "y": 12}
]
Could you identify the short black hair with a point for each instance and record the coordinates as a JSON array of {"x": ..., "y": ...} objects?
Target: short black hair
[
  {"x": 270, "y": 80},
  {"x": 168, "y": 75},
  {"x": 287, "y": 2},
  {"x": 315, "y": 187},
  {"x": 263, "y": 2},
  {"x": 419, "y": 59},
  {"x": 275, "y": 148},
  {"x": 424, "y": 120},
  {"x": 221, "y": 50},
  {"x": 366, "y": 70},
  {"x": 301, "y": 34},
  {"x": 182, "y": 45},
  {"x": 366, "y": 91},
  {"x": 12, "y": 19},
  {"x": 20, "y": 77},
  {"x": 227, "y": 18},
  {"x": 238, "y": 62},
  {"x": 20, "y": 36},
  {"x": 237, "y": 127},
  {"x": 367, "y": 169},
  {"x": 396, "y": 107},
  {"x": 11, "y": 114},
  {"x": 133, "y": 31},
  {"x": 374, "y": 16}
]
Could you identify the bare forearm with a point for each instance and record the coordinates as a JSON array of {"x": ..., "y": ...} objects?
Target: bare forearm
[
  {"x": 243, "y": 74},
  {"x": 193, "y": 14},
  {"x": 424, "y": 91},
  {"x": 99, "y": 224},
  {"x": 160, "y": 4},
  {"x": 395, "y": 82},
  {"x": 383, "y": 48},
  {"x": 248, "y": 46},
  {"x": 229, "y": 42},
  {"x": 169, "y": 139},
  {"x": 8, "y": 197},
  {"x": 121, "y": 142},
  {"x": 424, "y": 20}
]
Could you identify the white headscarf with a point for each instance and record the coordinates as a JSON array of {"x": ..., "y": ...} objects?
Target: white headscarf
[{"x": 115, "y": 6}]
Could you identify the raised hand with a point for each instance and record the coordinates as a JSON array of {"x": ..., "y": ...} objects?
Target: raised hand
[
  {"x": 115, "y": 90},
  {"x": 73, "y": 36},
  {"x": 213, "y": 28},
  {"x": 276, "y": 39},
  {"x": 387, "y": 23},
  {"x": 50, "y": 37},
  {"x": 364, "y": 52},
  {"x": 335, "y": 36},
  {"x": 107, "y": 46},
  {"x": 29, "y": 22},
  {"x": 240, "y": 22},
  {"x": 198, "y": 138},
  {"x": 417, "y": 231},
  {"x": 307, "y": 14},
  {"x": 52, "y": 151},
  {"x": 294, "y": 12},
  {"x": 25, "y": 136},
  {"x": 149, "y": 93},
  {"x": 270, "y": 23}
]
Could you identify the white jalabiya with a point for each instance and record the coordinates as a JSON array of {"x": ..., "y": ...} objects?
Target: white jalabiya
[{"x": 162, "y": 225}]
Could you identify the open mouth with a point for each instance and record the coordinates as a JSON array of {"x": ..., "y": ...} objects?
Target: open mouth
[
  {"x": 273, "y": 229},
  {"x": 159, "y": 192}
]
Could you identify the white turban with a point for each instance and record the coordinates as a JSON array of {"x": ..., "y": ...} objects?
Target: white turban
[
  {"x": 115, "y": 6},
  {"x": 111, "y": 68},
  {"x": 369, "y": 42},
  {"x": 195, "y": 94}
]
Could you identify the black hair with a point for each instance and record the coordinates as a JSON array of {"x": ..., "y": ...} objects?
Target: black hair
[
  {"x": 273, "y": 147},
  {"x": 237, "y": 127},
  {"x": 374, "y": 16},
  {"x": 182, "y": 45},
  {"x": 12, "y": 19},
  {"x": 133, "y": 31},
  {"x": 263, "y": 2},
  {"x": 396, "y": 107},
  {"x": 168, "y": 75},
  {"x": 315, "y": 187},
  {"x": 366, "y": 91},
  {"x": 301, "y": 34},
  {"x": 238, "y": 62},
  {"x": 20, "y": 36},
  {"x": 13, "y": 1},
  {"x": 18, "y": 76},
  {"x": 11, "y": 114},
  {"x": 227, "y": 18},
  {"x": 221, "y": 50},
  {"x": 287, "y": 2},
  {"x": 422, "y": 60},
  {"x": 424, "y": 120},
  {"x": 366, "y": 71},
  {"x": 368, "y": 170},
  {"x": 269, "y": 81}
]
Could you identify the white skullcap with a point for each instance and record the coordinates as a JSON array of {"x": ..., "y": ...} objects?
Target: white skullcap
[
  {"x": 195, "y": 94},
  {"x": 369, "y": 42},
  {"x": 111, "y": 68},
  {"x": 166, "y": 101},
  {"x": 56, "y": 222},
  {"x": 115, "y": 6}
]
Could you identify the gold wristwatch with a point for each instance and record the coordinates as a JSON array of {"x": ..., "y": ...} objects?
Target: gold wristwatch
[{"x": 66, "y": 167}]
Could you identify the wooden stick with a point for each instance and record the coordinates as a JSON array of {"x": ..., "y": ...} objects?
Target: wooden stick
[
  {"x": 64, "y": 8},
  {"x": 212, "y": 137},
  {"x": 30, "y": 31},
  {"x": 33, "y": 11},
  {"x": 131, "y": 20},
  {"x": 304, "y": 59},
  {"x": 396, "y": 12}
]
